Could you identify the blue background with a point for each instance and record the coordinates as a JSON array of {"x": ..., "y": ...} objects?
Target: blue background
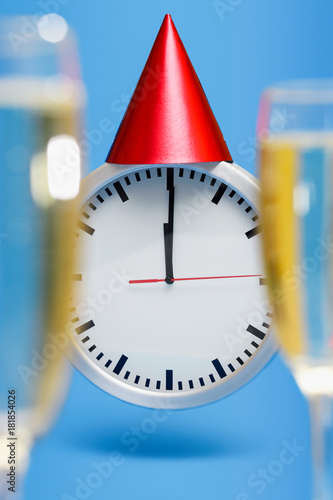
[{"x": 210, "y": 452}]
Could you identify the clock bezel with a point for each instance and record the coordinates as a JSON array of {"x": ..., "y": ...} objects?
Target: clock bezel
[{"x": 248, "y": 186}]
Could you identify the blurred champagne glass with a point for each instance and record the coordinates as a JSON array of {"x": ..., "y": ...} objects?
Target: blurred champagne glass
[
  {"x": 41, "y": 101},
  {"x": 295, "y": 133}
]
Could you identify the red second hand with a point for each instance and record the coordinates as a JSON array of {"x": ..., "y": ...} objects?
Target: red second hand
[{"x": 199, "y": 278}]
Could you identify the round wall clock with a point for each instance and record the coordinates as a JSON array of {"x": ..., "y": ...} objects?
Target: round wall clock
[{"x": 172, "y": 308}]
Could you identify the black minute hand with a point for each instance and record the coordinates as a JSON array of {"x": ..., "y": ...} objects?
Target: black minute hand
[{"x": 168, "y": 228}]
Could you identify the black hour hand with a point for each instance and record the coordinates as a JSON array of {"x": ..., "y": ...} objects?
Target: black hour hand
[{"x": 168, "y": 228}]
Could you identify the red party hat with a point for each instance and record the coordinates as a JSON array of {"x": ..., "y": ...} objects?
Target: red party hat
[{"x": 168, "y": 119}]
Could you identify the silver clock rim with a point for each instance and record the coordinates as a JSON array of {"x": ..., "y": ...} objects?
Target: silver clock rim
[{"x": 243, "y": 182}]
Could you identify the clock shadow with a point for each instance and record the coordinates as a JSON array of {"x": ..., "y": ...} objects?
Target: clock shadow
[{"x": 168, "y": 443}]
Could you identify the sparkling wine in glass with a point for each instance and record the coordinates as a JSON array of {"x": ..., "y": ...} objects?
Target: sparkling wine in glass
[
  {"x": 295, "y": 133},
  {"x": 41, "y": 99}
]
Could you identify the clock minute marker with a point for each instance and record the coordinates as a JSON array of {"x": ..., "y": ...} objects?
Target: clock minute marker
[
  {"x": 86, "y": 326},
  {"x": 85, "y": 227},
  {"x": 253, "y": 232},
  {"x": 120, "y": 364},
  {"x": 219, "y": 193},
  {"x": 257, "y": 333},
  {"x": 219, "y": 368},
  {"x": 121, "y": 191},
  {"x": 169, "y": 380}
]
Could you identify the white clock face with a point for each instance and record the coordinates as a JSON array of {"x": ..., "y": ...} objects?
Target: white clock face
[{"x": 172, "y": 293}]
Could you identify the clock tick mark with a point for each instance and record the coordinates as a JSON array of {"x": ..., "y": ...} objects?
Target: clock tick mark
[
  {"x": 92, "y": 348},
  {"x": 147, "y": 384},
  {"x": 263, "y": 281},
  {"x": 121, "y": 192},
  {"x": 213, "y": 182},
  {"x": 108, "y": 192},
  {"x": 257, "y": 333},
  {"x": 240, "y": 361},
  {"x": 75, "y": 320},
  {"x": 159, "y": 172},
  {"x": 255, "y": 218},
  {"x": 232, "y": 193},
  {"x": 248, "y": 353},
  {"x": 87, "y": 216},
  {"x": 148, "y": 174},
  {"x": 169, "y": 380},
  {"x": 265, "y": 325},
  {"x": 137, "y": 176},
  {"x": 99, "y": 357},
  {"x": 128, "y": 182},
  {"x": 85, "y": 227},
  {"x": 192, "y": 173},
  {"x": 231, "y": 368},
  {"x": 85, "y": 327},
  {"x": 201, "y": 381},
  {"x": 137, "y": 379},
  {"x": 181, "y": 172},
  {"x": 85, "y": 340},
  {"x": 180, "y": 385},
  {"x": 158, "y": 384},
  {"x": 253, "y": 232},
  {"x": 127, "y": 374},
  {"x": 240, "y": 201},
  {"x": 255, "y": 344},
  {"x": 108, "y": 363},
  {"x": 203, "y": 177},
  {"x": 92, "y": 206},
  {"x": 120, "y": 364},
  {"x": 248, "y": 209},
  {"x": 190, "y": 383},
  {"x": 269, "y": 314},
  {"x": 212, "y": 378},
  {"x": 219, "y": 368},
  {"x": 219, "y": 193},
  {"x": 100, "y": 199}
]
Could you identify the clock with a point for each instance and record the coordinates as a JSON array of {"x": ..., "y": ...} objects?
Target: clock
[
  {"x": 172, "y": 309},
  {"x": 173, "y": 301}
]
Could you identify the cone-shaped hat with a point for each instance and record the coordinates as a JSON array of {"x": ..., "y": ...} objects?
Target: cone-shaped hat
[{"x": 168, "y": 119}]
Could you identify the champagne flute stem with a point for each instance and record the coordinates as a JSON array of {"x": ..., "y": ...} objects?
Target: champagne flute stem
[{"x": 321, "y": 413}]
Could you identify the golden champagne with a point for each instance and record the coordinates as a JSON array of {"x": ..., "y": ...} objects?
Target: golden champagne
[{"x": 296, "y": 171}]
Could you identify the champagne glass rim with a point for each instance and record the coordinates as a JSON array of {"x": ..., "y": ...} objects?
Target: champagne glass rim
[{"x": 301, "y": 91}]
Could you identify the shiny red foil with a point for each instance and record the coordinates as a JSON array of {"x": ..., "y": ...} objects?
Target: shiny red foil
[{"x": 168, "y": 119}]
